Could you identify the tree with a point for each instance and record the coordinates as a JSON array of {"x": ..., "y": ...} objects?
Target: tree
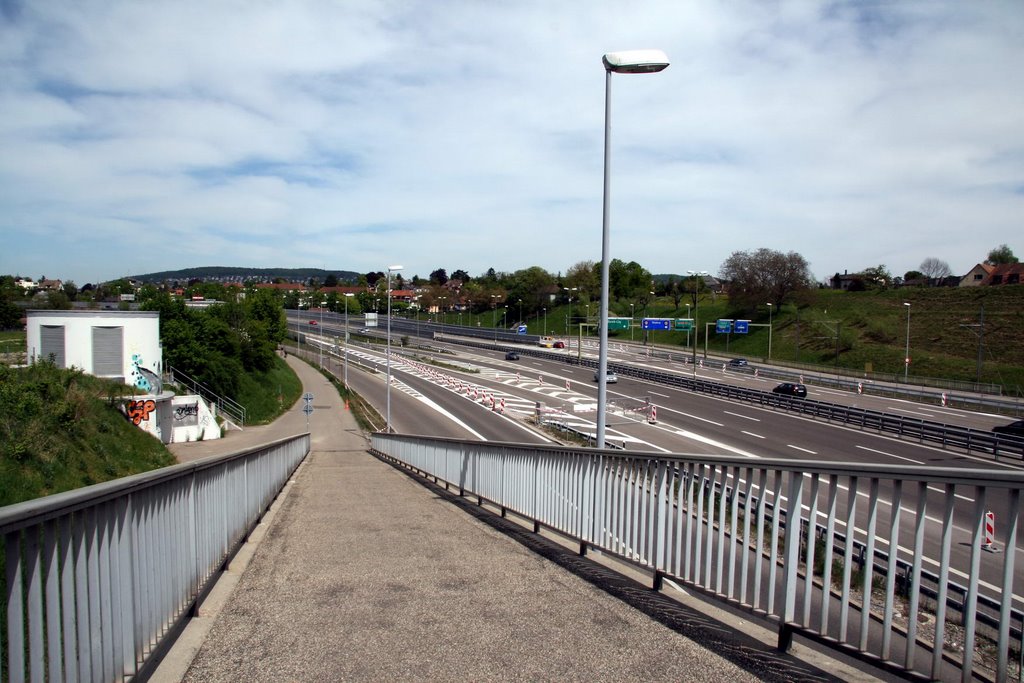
[
  {"x": 627, "y": 280},
  {"x": 877, "y": 277},
  {"x": 913, "y": 275},
  {"x": 331, "y": 280},
  {"x": 461, "y": 275},
  {"x": 935, "y": 269},
  {"x": 1001, "y": 255},
  {"x": 765, "y": 276},
  {"x": 439, "y": 276}
]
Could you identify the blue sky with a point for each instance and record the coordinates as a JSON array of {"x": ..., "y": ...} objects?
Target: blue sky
[{"x": 354, "y": 134}]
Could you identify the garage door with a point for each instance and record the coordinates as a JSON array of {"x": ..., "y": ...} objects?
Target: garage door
[
  {"x": 108, "y": 352},
  {"x": 51, "y": 343}
]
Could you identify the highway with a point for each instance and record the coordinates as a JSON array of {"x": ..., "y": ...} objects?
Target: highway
[{"x": 444, "y": 389}]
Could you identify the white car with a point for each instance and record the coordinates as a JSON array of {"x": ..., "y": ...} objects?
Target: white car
[{"x": 609, "y": 378}]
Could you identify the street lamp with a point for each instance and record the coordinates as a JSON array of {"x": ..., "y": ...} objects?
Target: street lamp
[
  {"x": 568, "y": 318},
  {"x": 630, "y": 62},
  {"x": 520, "y": 311},
  {"x": 387, "y": 418},
  {"x": 769, "y": 331},
  {"x": 696, "y": 311},
  {"x": 347, "y": 296},
  {"x": 494, "y": 316},
  {"x": 545, "y": 321},
  {"x": 632, "y": 313},
  {"x": 906, "y": 359}
]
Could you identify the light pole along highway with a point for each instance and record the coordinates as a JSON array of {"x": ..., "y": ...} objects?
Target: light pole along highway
[
  {"x": 630, "y": 62},
  {"x": 387, "y": 419}
]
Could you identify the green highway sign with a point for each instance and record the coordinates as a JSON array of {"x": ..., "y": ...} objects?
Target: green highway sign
[
  {"x": 618, "y": 323},
  {"x": 684, "y": 324}
]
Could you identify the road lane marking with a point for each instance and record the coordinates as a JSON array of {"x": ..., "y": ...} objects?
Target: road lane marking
[
  {"x": 752, "y": 434},
  {"x": 745, "y": 417},
  {"x": 955, "y": 495},
  {"x": 910, "y": 412},
  {"x": 655, "y": 393},
  {"x": 802, "y": 449},
  {"x": 891, "y": 455}
]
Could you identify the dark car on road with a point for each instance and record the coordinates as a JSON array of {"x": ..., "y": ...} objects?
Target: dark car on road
[
  {"x": 559, "y": 345},
  {"x": 1013, "y": 429},
  {"x": 791, "y": 389},
  {"x": 511, "y": 355},
  {"x": 739, "y": 363}
]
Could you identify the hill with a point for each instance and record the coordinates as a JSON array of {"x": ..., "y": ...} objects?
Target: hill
[
  {"x": 235, "y": 274},
  {"x": 61, "y": 430}
]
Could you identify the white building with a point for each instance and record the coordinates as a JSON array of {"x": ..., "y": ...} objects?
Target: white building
[{"x": 120, "y": 345}]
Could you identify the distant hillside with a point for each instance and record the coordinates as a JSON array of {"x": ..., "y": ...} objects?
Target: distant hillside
[{"x": 236, "y": 274}]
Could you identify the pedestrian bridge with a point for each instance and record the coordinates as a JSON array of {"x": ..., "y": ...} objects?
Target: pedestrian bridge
[{"x": 100, "y": 582}]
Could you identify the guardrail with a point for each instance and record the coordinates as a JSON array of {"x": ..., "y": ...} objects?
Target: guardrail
[
  {"x": 999, "y": 446},
  {"x": 100, "y": 580},
  {"x": 724, "y": 525}
]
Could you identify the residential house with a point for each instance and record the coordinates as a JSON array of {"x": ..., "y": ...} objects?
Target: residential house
[
  {"x": 1005, "y": 274},
  {"x": 975, "y": 277}
]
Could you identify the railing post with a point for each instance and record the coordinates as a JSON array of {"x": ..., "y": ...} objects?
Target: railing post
[{"x": 792, "y": 557}]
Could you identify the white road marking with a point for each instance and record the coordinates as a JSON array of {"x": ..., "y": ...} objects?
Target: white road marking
[
  {"x": 891, "y": 455},
  {"x": 752, "y": 434},
  {"x": 955, "y": 495},
  {"x": 655, "y": 393},
  {"x": 802, "y": 449},
  {"x": 910, "y": 412},
  {"x": 745, "y": 417}
]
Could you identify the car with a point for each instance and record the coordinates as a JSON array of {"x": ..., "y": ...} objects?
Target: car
[
  {"x": 791, "y": 389},
  {"x": 609, "y": 378},
  {"x": 739, "y": 363},
  {"x": 559, "y": 345},
  {"x": 511, "y": 355},
  {"x": 1013, "y": 429},
  {"x": 312, "y": 322}
]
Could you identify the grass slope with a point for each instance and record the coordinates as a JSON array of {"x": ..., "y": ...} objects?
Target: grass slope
[{"x": 61, "y": 430}]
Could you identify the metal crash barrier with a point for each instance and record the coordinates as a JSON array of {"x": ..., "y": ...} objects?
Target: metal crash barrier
[
  {"x": 99, "y": 581},
  {"x": 897, "y": 565}
]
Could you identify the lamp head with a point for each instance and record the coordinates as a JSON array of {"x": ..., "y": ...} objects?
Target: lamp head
[{"x": 635, "y": 61}]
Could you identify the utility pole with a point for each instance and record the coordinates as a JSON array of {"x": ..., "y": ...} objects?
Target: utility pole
[{"x": 979, "y": 329}]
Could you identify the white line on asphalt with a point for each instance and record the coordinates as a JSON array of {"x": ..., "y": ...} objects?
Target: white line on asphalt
[
  {"x": 752, "y": 434},
  {"x": 910, "y": 412},
  {"x": 833, "y": 393},
  {"x": 745, "y": 417},
  {"x": 802, "y": 449},
  {"x": 891, "y": 455},
  {"x": 655, "y": 393},
  {"x": 955, "y": 495}
]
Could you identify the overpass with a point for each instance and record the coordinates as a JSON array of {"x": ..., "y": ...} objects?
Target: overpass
[{"x": 364, "y": 572}]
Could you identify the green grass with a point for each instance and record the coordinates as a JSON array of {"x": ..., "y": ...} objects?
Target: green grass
[
  {"x": 61, "y": 430},
  {"x": 267, "y": 395}
]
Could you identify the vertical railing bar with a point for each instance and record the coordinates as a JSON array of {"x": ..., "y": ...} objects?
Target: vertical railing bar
[
  {"x": 748, "y": 513},
  {"x": 691, "y": 477},
  {"x": 971, "y": 601},
  {"x": 15, "y": 608},
  {"x": 709, "y": 526},
  {"x": 759, "y": 546},
  {"x": 830, "y": 535},
  {"x": 1006, "y": 606},
  {"x": 892, "y": 567},
  {"x": 920, "y": 520},
  {"x": 67, "y": 581},
  {"x": 869, "y": 564},
  {"x": 698, "y": 545},
  {"x": 940, "y": 600},
  {"x": 736, "y": 543},
  {"x": 812, "y": 541},
  {"x": 848, "y": 544},
  {"x": 773, "y": 554},
  {"x": 791, "y": 549},
  {"x": 722, "y": 507},
  {"x": 51, "y": 570}
]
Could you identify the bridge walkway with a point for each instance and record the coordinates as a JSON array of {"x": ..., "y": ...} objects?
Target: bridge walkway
[{"x": 363, "y": 573}]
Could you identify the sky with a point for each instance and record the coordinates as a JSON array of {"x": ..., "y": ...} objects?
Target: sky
[{"x": 141, "y": 136}]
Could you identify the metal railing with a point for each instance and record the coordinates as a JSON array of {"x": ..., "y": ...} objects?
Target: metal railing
[
  {"x": 233, "y": 410},
  {"x": 100, "y": 580},
  {"x": 724, "y": 525}
]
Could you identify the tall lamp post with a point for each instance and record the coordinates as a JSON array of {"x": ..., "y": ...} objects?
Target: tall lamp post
[
  {"x": 632, "y": 314},
  {"x": 387, "y": 418},
  {"x": 545, "y": 321},
  {"x": 568, "y": 318},
  {"x": 696, "y": 312},
  {"x": 906, "y": 358},
  {"x": 691, "y": 325},
  {"x": 769, "y": 331},
  {"x": 494, "y": 316},
  {"x": 631, "y": 62},
  {"x": 348, "y": 295}
]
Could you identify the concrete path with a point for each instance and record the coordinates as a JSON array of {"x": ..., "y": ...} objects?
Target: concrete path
[{"x": 364, "y": 573}]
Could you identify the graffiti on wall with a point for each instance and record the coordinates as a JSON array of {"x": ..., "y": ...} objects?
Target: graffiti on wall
[
  {"x": 186, "y": 415},
  {"x": 139, "y": 411},
  {"x": 145, "y": 379}
]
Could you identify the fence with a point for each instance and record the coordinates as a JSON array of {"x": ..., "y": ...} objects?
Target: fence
[
  {"x": 100, "y": 580},
  {"x": 233, "y": 410},
  {"x": 726, "y": 525}
]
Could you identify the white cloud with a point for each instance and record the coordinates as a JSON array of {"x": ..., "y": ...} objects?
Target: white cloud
[{"x": 149, "y": 136}]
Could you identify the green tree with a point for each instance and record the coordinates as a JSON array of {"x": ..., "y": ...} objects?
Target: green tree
[
  {"x": 764, "y": 275},
  {"x": 1001, "y": 255}
]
